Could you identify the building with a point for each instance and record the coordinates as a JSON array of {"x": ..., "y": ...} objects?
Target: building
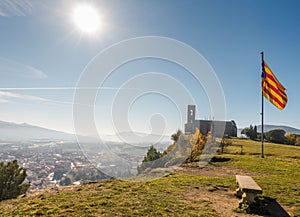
[{"x": 230, "y": 128}]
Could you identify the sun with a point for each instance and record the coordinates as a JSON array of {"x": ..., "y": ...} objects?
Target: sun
[{"x": 87, "y": 18}]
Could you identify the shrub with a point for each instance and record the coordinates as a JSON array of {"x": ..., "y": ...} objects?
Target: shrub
[
  {"x": 11, "y": 179},
  {"x": 153, "y": 159},
  {"x": 176, "y": 135},
  {"x": 197, "y": 141},
  {"x": 258, "y": 208},
  {"x": 290, "y": 139},
  {"x": 276, "y": 136},
  {"x": 250, "y": 132}
]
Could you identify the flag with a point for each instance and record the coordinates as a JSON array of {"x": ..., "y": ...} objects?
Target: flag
[{"x": 272, "y": 89}]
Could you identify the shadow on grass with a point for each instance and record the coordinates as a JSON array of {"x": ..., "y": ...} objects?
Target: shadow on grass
[
  {"x": 263, "y": 206},
  {"x": 273, "y": 207},
  {"x": 220, "y": 159}
]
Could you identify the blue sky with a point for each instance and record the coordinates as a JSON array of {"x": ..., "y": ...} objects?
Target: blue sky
[{"x": 43, "y": 55}]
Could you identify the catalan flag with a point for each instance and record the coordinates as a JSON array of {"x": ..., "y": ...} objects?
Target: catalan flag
[{"x": 272, "y": 89}]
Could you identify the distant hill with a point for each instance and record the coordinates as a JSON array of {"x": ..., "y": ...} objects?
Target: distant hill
[
  {"x": 24, "y": 132},
  {"x": 287, "y": 129},
  {"x": 268, "y": 127},
  {"x": 14, "y": 132}
]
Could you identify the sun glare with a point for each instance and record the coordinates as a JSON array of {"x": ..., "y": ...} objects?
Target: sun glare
[{"x": 87, "y": 18}]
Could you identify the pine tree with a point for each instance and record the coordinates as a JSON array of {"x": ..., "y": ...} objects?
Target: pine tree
[
  {"x": 255, "y": 132},
  {"x": 152, "y": 154},
  {"x": 11, "y": 179}
]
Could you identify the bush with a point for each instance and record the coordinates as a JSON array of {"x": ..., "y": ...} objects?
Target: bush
[
  {"x": 11, "y": 179},
  {"x": 276, "y": 136},
  {"x": 197, "y": 142},
  {"x": 153, "y": 159},
  {"x": 250, "y": 132},
  {"x": 258, "y": 207},
  {"x": 176, "y": 135},
  {"x": 185, "y": 149},
  {"x": 290, "y": 139},
  {"x": 152, "y": 154}
]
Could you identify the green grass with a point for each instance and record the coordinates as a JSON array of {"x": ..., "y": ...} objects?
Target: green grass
[
  {"x": 278, "y": 174},
  {"x": 162, "y": 197}
]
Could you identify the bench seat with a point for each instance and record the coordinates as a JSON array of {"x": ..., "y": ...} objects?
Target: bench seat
[{"x": 248, "y": 188}]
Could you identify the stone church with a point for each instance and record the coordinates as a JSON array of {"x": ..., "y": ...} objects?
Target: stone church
[{"x": 206, "y": 125}]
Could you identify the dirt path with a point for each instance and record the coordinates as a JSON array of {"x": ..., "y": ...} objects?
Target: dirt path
[
  {"x": 214, "y": 170},
  {"x": 222, "y": 200}
]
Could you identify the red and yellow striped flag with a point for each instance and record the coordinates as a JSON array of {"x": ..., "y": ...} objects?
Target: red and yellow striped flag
[{"x": 272, "y": 89}]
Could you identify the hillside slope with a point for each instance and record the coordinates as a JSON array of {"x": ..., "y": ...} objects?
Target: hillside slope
[{"x": 191, "y": 191}]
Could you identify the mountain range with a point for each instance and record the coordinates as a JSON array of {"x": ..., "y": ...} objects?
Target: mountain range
[
  {"x": 24, "y": 132},
  {"x": 287, "y": 129},
  {"x": 14, "y": 132}
]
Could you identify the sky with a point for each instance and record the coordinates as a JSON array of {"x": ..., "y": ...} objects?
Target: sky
[{"x": 44, "y": 54}]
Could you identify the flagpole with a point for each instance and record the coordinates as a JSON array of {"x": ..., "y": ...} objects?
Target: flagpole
[{"x": 262, "y": 114}]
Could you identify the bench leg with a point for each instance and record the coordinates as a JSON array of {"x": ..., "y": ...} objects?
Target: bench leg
[
  {"x": 249, "y": 197},
  {"x": 238, "y": 193}
]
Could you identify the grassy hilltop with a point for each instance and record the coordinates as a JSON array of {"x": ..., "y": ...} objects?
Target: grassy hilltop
[{"x": 190, "y": 191}]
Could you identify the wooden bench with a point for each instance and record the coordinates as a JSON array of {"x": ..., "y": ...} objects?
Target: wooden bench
[{"x": 248, "y": 189}]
